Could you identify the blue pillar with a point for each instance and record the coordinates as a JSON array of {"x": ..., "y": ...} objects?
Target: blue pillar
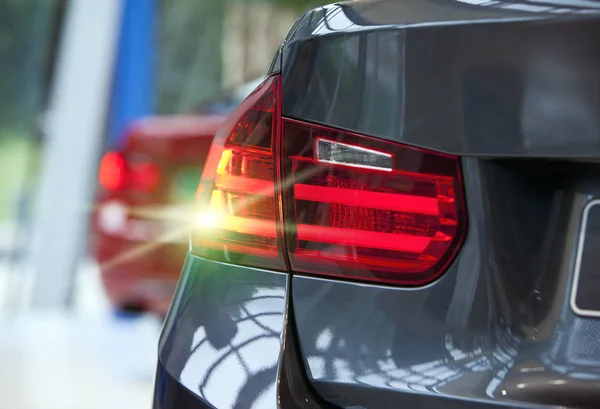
[{"x": 133, "y": 93}]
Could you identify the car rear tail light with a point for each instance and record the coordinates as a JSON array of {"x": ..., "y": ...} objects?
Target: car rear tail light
[
  {"x": 368, "y": 209},
  {"x": 112, "y": 171},
  {"x": 117, "y": 174},
  {"x": 239, "y": 208},
  {"x": 352, "y": 206}
]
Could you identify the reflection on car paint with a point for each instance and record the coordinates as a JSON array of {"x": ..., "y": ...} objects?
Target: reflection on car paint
[
  {"x": 226, "y": 346},
  {"x": 216, "y": 372},
  {"x": 428, "y": 376}
]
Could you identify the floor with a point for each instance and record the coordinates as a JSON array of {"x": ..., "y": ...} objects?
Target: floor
[{"x": 84, "y": 358}]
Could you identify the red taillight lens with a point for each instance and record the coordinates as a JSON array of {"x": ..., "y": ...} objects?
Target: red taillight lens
[
  {"x": 237, "y": 219},
  {"x": 117, "y": 174},
  {"x": 112, "y": 173},
  {"x": 368, "y": 209},
  {"x": 352, "y": 206}
]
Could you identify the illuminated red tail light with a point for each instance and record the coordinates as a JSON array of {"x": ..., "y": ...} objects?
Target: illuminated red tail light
[
  {"x": 352, "y": 206},
  {"x": 368, "y": 209},
  {"x": 111, "y": 175},
  {"x": 116, "y": 174},
  {"x": 239, "y": 220}
]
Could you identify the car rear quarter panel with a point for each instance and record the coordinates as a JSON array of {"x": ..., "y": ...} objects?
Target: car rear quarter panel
[{"x": 222, "y": 337}]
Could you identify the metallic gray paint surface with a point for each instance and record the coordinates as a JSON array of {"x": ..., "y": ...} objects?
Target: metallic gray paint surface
[
  {"x": 501, "y": 80},
  {"x": 506, "y": 79},
  {"x": 487, "y": 330},
  {"x": 222, "y": 337}
]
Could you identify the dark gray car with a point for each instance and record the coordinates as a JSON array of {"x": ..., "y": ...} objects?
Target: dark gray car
[{"x": 404, "y": 214}]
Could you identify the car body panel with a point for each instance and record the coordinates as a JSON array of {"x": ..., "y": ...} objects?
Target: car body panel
[
  {"x": 497, "y": 329},
  {"x": 212, "y": 353},
  {"x": 178, "y": 139},
  {"x": 475, "y": 334},
  {"x": 489, "y": 330},
  {"x": 473, "y": 81},
  {"x": 450, "y": 76},
  {"x": 222, "y": 337}
]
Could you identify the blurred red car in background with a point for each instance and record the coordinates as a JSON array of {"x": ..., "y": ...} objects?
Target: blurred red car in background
[
  {"x": 139, "y": 225},
  {"x": 141, "y": 219}
]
